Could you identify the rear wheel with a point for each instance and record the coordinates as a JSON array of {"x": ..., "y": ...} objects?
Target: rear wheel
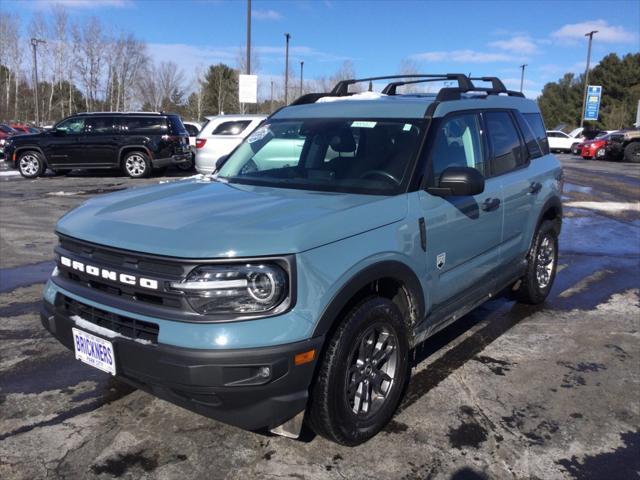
[
  {"x": 136, "y": 165},
  {"x": 632, "y": 152},
  {"x": 541, "y": 267},
  {"x": 362, "y": 375},
  {"x": 31, "y": 164},
  {"x": 188, "y": 165}
]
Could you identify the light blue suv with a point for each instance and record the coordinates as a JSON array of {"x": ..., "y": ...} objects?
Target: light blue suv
[{"x": 292, "y": 285}]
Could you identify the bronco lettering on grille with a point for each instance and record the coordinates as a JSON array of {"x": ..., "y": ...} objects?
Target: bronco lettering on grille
[{"x": 112, "y": 275}]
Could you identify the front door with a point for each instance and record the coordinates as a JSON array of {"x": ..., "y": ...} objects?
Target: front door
[
  {"x": 463, "y": 234},
  {"x": 62, "y": 146}
]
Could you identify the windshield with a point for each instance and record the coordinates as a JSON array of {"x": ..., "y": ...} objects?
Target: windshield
[{"x": 341, "y": 155}]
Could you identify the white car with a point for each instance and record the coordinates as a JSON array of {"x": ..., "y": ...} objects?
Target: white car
[
  {"x": 220, "y": 135},
  {"x": 561, "y": 142}
]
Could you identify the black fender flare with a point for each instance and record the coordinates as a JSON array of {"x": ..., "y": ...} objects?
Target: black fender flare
[
  {"x": 133, "y": 147},
  {"x": 30, "y": 147},
  {"x": 552, "y": 202},
  {"x": 384, "y": 269}
]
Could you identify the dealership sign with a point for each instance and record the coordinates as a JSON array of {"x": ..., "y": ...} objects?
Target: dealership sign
[
  {"x": 592, "y": 105},
  {"x": 248, "y": 88}
]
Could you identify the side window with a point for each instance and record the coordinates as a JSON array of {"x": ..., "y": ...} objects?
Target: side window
[
  {"x": 231, "y": 128},
  {"x": 458, "y": 144},
  {"x": 101, "y": 125},
  {"x": 191, "y": 129},
  {"x": 505, "y": 143},
  {"x": 72, "y": 125},
  {"x": 145, "y": 125},
  {"x": 533, "y": 148},
  {"x": 537, "y": 125},
  {"x": 552, "y": 135}
]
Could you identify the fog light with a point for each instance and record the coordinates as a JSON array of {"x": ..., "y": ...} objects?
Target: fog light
[{"x": 264, "y": 372}]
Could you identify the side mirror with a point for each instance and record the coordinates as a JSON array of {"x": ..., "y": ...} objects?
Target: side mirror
[
  {"x": 458, "y": 181},
  {"x": 220, "y": 162}
]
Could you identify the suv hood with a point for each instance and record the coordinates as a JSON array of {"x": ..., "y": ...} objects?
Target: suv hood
[{"x": 216, "y": 220}]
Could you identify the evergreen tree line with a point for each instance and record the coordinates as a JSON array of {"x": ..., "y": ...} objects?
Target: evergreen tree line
[{"x": 561, "y": 101}]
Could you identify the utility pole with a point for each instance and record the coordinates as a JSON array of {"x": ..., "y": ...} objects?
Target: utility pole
[
  {"x": 301, "y": 75},
  {"x": 286, "y": 69},
  {"x": 248, "y": 37},
  {"x": 586, "y": 76},
  {"x": 34, "y": 44},
  {"x": 522, "y": 76}
]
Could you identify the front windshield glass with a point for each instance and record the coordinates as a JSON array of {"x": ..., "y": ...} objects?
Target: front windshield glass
[{"x": 341, "y": 155}]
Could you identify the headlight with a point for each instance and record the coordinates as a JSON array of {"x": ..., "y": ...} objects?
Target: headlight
[{"x": 235, "y": 289}]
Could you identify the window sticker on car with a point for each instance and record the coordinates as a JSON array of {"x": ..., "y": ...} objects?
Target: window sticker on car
[
  {"x": 361, "y": 124},
  {"x": 258, "y": 134}
]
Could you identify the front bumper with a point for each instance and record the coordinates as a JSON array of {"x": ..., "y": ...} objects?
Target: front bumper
[
  {"x": 173, "y": 160},
  {"x": 221, "y": 384}
]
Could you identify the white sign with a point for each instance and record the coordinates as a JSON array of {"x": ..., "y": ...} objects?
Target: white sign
[{"x": 248, "y": 88}]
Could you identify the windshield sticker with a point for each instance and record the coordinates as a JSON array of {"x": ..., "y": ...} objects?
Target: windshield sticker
[
  {"x": 360, "y": 124},
  {"x": 258, "y": 134}
]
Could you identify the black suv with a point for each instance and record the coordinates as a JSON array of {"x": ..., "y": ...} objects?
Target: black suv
[{"x": 135, "y": 142}]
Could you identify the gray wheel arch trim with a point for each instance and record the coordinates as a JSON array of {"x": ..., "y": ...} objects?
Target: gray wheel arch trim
[
  {"x": 553, "y": 202},
  {"x": 385, "y": 269}
]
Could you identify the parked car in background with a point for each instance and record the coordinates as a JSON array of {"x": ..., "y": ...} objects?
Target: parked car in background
[
  {"x": 25, "y": 128},
  {"x": 5, "y": 132},
  {"x": 220, "y": 135},
  {"x": 596, "y": 148},
  {"x": 193, "y": 128},
  {"x": 560, "y": 141},
  {"x": 624, "y": 145},
  {"x": 137, "y": 143}
]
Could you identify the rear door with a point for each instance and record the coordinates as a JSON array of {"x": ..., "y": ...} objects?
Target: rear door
[
  {"x": 462, "y": 233},
  {"x": 100, "y": 142}
]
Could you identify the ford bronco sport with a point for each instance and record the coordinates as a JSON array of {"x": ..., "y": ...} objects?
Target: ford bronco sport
[
  {"x": 292, "y": 285},
  {"x": 137, "y": 143}
]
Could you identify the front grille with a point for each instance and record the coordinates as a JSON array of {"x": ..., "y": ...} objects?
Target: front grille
[{"x": 128, "y": 327}]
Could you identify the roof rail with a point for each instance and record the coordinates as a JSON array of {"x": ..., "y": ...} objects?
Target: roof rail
[
  {"x": 342, "y": 87},
  {"x": 118, "y": 113}
]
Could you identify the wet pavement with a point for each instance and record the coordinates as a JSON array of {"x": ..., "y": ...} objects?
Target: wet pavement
[{"x": 508, "y": 391}]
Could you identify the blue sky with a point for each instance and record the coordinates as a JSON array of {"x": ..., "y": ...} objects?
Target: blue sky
[{"x": 481, "y": 37}]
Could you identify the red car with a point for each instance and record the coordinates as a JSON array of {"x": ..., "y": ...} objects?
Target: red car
[{"x": 595, "y": 148}]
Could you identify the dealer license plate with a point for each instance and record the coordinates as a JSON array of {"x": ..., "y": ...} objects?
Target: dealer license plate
[{"x": 94, "y": 351}]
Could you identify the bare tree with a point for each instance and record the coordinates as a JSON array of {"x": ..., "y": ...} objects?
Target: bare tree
[
  {"x": 409, "y": 67},
  {"x": 89, "y": 47}
]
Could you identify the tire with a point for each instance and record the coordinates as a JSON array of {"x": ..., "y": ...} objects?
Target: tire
[
  {"x": 600, "y": 154},
  {"x": 542, "y": 263},
  {"x": 573, "y": 149},
  {"x": 31, "y": 164},
  {"x": 136, "y": 164},
  {"x": 632, "y": 152},
  {"x": 374, "y": 328},
  {"x": 186, "y": 166}
]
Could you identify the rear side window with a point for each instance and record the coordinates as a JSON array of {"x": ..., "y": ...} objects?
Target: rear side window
[
  {"x": 100, "y": 125},
  {"x": 537, "y": 125},
  {"x": 144, "y": 124},
  {"x": 191, "y": 129},
  {"x": 177, "y": 127},
  {"x": 457, "y": 144},
  {"x": 231, "y": 128},
  {"x": 505, "y": 142},
  {"x": 529, "y": 137}
]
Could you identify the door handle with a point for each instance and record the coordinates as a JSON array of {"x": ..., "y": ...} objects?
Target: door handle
[
  {"x": 535, "y": 187},
  {"x": 490, "y": 204}
]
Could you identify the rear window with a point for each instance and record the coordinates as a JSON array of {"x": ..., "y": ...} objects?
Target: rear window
[
  {"x": 537, "y": 125},
  {"x": 231, "y": 128},
  {"x": 145, "y": 124},
  {"x": 192, "y": 129},
  {"x": 177, "y": 127}
]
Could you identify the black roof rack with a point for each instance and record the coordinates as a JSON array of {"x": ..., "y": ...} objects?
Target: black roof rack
[{"x": 465, "y": 84}]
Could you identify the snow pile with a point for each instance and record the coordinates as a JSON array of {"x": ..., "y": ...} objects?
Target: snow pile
[{"x": 611, "y": 207}]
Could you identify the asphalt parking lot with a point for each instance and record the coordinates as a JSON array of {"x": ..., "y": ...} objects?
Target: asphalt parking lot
[{"x": 509, "y": 391}]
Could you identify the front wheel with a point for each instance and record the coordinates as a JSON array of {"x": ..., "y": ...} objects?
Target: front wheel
[
  {"x": 362, "y": 375},
  {"x": 136, "y": 165},
  {"x": 542, "y": 263},
  {"x": 632, "y": 152},
  {"x": 31, "y": 164}
]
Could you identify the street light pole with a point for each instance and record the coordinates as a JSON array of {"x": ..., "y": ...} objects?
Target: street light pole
[
  {"x": 522, "y": 76},
  {"x": 286, "y": 70},
  {"x": 301, "y": 75},
  {"x": 34, "y": 44},
  {"x": 248, "y": 37},
  {"x": 586, "y": 76}
]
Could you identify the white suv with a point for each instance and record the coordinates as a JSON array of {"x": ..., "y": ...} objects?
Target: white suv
[
  {"x": 561, "y": 142},
  {"x": 220, "y": 135}
]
